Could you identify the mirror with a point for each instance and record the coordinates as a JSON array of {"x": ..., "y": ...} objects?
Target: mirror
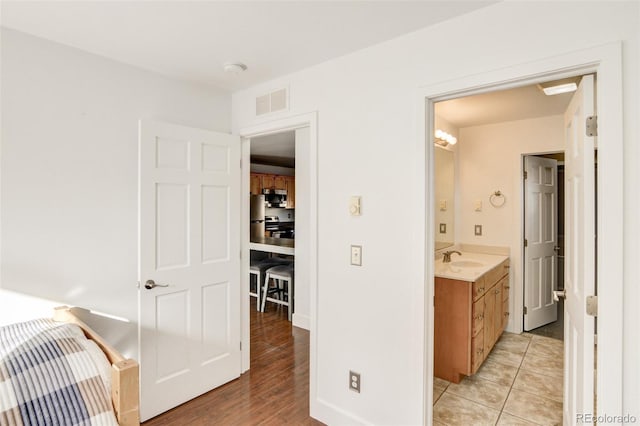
[{"x": 444, "y": 180}]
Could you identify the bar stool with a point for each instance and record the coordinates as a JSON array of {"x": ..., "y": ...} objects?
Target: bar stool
[
  {"x": 281, "y": 275},
  {"x": 258, "y": 269}
]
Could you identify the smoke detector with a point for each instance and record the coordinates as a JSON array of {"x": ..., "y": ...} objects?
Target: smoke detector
[{"x": 234, "y": 67}]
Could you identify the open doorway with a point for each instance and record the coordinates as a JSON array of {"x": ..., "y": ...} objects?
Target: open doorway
[
  {"x": 272, "y": 223},
  {"x": 489, "y": 135},
  {"x": 543, "y": 262}
]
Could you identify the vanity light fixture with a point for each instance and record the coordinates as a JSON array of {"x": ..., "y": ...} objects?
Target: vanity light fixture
[{"x": 443, "y": 138}]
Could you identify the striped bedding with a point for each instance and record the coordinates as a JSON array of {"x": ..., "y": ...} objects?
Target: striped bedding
[{"x": 48, "y": 378}]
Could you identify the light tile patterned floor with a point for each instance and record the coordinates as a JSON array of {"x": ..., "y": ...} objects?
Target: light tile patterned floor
[{"x": 520, "y": 383}]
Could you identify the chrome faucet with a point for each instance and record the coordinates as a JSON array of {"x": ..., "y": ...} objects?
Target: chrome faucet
[{"x": 447, "y": 255}]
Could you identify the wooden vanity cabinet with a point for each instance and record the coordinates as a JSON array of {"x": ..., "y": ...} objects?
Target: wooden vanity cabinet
[{"x": 469, "y": 318}]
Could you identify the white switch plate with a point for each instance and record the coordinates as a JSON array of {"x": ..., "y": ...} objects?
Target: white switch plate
[
  {"x": 478, "y": 205},
  {"x": 356, "y": 255},
  {"x": 443, "y": 205},
  {"x": 354, "y": 205}
]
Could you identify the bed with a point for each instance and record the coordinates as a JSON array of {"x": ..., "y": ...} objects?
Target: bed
[{"x": 59, "y": 371}]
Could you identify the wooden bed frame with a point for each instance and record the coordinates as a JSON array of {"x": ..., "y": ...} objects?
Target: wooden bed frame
[{"x": 125, "y": 389}]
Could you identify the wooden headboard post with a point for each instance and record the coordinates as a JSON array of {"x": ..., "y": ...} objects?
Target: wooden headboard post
[{"x": 125, "y": 388}]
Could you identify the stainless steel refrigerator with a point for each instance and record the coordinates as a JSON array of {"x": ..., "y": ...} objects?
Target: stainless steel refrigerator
[{"x": 257, "y": 216}]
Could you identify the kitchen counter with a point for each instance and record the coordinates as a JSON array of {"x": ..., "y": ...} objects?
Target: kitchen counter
[
  {"x": 485, "y": 262},
  {"x": 273, "y": 245}
]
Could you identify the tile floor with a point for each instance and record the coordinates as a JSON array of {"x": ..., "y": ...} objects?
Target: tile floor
[{"x": 520, "y": 383}]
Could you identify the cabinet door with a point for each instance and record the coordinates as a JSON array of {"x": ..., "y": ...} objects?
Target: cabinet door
[
  {"x": 256, "y": 183},
  {"x": 291, "y": 192},
  {"x": 268, "y": 181},
  {"x": 280, "y": 182},
  {"x": 489, "y": 326},
  {"x": 497, "y": 311}
]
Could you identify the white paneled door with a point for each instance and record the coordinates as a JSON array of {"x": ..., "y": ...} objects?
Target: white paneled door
[
  {"x": 541, "y": 235},
  {"x": 189, "y": 260},
  {"x": 579, "y": 254}
]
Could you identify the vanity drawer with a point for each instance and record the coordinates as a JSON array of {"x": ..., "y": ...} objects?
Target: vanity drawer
[
  {"x": 477, "y": 352},
  {"x": 478, "y": 288},
  {"x": 477, "y": 317},
  {"x": 496, "y": 273}
]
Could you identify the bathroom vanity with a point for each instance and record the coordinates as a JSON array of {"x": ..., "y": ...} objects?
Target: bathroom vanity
[{"x": 471, "y": 311}]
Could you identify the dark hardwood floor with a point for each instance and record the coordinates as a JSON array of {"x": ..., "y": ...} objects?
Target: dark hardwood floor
[{"x": 274, "y": 391}]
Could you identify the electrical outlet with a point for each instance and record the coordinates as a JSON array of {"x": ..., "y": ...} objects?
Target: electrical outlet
[
  {"x": 354, "y": 381},
  {"x": 478, "y": 230},
  {"x": 356, "y": 255},
  {"x": 443, "y": 228}
]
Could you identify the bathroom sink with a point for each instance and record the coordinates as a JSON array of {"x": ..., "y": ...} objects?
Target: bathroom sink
[{"x": 466, "y": 264}]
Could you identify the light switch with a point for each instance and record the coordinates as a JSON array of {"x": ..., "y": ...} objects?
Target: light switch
[
  {"x": 478, "y": 205},
  {"x": 478, "y": 230},
  {"x": 354, "y": 205},
  {"x": 356, "y": 255},
  {"x": 443, "y": 205},
  {"x": 443, "y": 228}
]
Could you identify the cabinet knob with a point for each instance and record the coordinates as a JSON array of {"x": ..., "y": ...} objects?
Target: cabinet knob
[
  {"x": 496, "y": 291},
  {"x": 507, "y": 287}
]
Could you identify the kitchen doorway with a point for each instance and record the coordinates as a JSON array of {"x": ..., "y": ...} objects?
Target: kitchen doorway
[{"x": 305, "y": 126}]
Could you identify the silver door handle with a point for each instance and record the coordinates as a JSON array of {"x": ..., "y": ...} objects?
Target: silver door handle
[
  {"x": 559, "y": 294},
  {"x": 152, "y": 284},
  {"x": 556, "y": 249}
]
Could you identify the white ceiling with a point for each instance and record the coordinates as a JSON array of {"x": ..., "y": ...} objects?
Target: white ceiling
[
  {"x": 275, "y": 145},
  {"x": 506, "y": 105},
  {"x": 191, "y": 40}
]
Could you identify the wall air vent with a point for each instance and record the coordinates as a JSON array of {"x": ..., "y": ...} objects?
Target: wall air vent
[{"x": 275, "y": 101}]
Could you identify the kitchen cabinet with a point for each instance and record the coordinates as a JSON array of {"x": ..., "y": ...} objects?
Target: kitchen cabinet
[
  {"x": 260, "y": 181},
  {"x": 469, "y": 319},
  {"x": 268, "y": 181},
  {"x": 291, "y": 191},
  {"x": 255, "y": 183}
]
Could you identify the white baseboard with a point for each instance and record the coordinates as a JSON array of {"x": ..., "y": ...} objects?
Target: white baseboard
[
  {"x": 302, "y": 321},
  {"x": 329, "y": 414}
]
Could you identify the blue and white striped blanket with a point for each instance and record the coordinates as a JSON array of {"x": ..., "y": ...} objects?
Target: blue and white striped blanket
[{"x": 48, "y": 378}]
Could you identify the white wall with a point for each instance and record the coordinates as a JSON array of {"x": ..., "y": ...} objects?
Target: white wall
[
  {"x": 370, "y": 318},
  {"x": 70, "y": 169},
  {"x": 490, "y": 159}
]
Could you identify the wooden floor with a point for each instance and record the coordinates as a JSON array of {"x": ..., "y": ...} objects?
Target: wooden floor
[{"x": 274, "y": 391}]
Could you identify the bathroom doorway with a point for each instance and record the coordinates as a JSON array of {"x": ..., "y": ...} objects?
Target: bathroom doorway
[
  {"x": 543, "y": 260},
  {"x": 493, "y": 216}
]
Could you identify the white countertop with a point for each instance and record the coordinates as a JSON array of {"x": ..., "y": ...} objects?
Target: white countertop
[
  {"x": 273, "y": 245},
  {"x": 449, "y": 270}
]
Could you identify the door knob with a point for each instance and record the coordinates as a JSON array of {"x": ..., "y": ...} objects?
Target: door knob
[
  {"x": 152, "y": 284},
  {"x": 559, "y": 294}
]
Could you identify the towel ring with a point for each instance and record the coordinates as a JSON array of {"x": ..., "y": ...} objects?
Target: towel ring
[{"x": 497, "y": 199}]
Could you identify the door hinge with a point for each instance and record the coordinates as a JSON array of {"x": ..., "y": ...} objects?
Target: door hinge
[
  {"x": 525, "y": 174},
  {"x": 240, "y": 346},
  {"x": 241, "y": 163},
  {"x": 592, "y": 306},
  {"x": 591, "y": 125},
  {"x": 525, "y": 310},
  {"x": 526, "y": 243}
]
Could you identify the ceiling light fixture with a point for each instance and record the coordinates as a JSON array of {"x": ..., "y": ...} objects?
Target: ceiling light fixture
[
  {"x": 556, "y": 87},
  {"x": 234, "y": 67},
  {"x": 443, "y": 138}
]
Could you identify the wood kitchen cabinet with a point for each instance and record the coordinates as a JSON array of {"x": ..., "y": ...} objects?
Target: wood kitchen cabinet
[
  {"x": 469, "y": 318},
  {"x": 260, "y": 181},
  {"x": 291, "y": 191},
  {"x": 268, "y": 181},
  {"x": 255, "y": 183}
]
